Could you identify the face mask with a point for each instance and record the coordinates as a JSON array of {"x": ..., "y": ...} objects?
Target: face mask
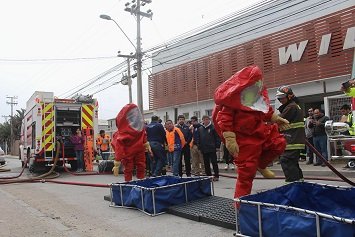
[{"x": 135, "y": 119}]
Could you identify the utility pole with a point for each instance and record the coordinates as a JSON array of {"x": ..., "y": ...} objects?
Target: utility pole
[
  {"x": 5, "y": 117},
  {"x": 12, "y": 102},
  {"x": 135, "y": 9},
  {"x": 129, "y": 77}
]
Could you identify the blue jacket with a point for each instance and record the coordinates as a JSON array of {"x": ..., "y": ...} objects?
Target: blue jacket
[
  {"x": 156, "y": 133},
  {"x": 195, "y": 134},
  {"x": 186, "y": 131}
]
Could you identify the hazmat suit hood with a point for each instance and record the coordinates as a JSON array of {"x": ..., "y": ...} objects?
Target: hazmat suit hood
[
  {"x": 244, "y": 91},
  {"x": 130, "y": 135}
]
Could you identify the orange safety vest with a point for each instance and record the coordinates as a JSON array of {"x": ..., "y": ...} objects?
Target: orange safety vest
[
  {"x": 170, "y": 137},
  {"x": 103, "y": 146}
]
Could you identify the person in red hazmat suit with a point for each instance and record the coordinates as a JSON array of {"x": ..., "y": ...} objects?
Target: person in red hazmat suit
[
  {"x": 130, "y": 142},
  {"x": 248, "y": 126}
]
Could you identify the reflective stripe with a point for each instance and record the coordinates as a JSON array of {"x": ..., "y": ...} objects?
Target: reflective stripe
[
  {"x": 297, "y": 125},
  {"x": 295, "y": 146},
  {"x": 350, "y": 121}
]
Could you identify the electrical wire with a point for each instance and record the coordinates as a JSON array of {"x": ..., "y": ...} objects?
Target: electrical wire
[
  {"x": 56, "y": 59},
  {"x": 225, "y": 39},
  {"x": 206, "y": 26},
  {"x": 171, "y": 60}
]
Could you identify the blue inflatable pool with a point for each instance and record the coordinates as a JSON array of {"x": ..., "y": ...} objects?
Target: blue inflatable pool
[
  {"x": 298, "y": 209},
  {"x": 155, "y": 195}
]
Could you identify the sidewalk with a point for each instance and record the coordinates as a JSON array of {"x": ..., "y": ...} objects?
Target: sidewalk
[{"x": 308, "y": 170}]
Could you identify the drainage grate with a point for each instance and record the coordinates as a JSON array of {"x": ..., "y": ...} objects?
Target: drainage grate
[{"x": 212, "y": 210}]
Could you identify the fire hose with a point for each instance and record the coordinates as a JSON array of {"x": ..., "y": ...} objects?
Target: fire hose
[
  {"x": 341, "y": 178},
  {"x": 15, "y": 176},
  {"x": 79, "y": 174},
  {"x": 47, "y": 178},
  {"x": 37, "y": 178}
]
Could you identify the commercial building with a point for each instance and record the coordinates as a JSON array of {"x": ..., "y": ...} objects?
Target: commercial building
[{"x": 308, "y": 45}]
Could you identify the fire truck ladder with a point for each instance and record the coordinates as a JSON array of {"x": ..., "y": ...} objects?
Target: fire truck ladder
[{"x": 48, "y": 131}]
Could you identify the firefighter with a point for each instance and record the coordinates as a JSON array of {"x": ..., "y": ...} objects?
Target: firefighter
[
  {"x": 242, "y": 117},
  {"x": 295, "y": 135},
  {"x": 103, "y": 144},
  {"x": 130, "y": 142}
]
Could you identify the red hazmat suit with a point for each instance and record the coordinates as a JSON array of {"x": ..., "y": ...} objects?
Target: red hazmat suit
[
  {"x": 243, "y": 107},
  {"x": 128, "y": 141}
]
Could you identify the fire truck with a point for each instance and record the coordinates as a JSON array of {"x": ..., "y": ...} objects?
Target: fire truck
[{"x": 49, "y": 119}]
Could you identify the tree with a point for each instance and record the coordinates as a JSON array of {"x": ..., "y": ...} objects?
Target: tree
[
  {"x": 17, "y": 122},
  {"x": 5, "y": 132},
  {"x": 5, "y": 128}
]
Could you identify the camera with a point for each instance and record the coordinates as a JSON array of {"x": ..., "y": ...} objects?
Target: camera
[{"x": 346, "y": 85}]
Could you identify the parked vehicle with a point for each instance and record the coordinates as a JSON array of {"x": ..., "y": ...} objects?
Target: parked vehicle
[
  {"x": 49, "y": 119},
  {"x": 2, "y": 157}
]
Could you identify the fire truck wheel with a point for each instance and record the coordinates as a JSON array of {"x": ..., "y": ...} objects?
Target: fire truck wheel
[
  {"x": 351, "y": 163},
  {"x": 73, "y": 165}
]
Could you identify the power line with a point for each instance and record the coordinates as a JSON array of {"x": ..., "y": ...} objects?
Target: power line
[
  {"x": 226, "y": 39},
  {"x": 93, "y": 80},
  {"x": 56, "y": 59}
]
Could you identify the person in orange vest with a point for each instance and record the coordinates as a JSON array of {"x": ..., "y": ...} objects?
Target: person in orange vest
[
  {"x": 176, "y": 142},
  {"x": 103, "y": 143}
]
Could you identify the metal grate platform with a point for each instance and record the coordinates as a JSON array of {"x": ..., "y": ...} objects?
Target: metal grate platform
[{"x": 212, "y": 210}]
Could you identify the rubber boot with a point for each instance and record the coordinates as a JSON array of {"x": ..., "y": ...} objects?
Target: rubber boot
[{"x": 268, "y": 174}]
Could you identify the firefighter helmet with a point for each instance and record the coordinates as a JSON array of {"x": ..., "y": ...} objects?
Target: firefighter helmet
[{"x": 284, "y": 91}]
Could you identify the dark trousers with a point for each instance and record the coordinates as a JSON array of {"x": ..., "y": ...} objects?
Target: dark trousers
[
  {"x": 158, "y": 159},
  {"x": 187, "y": 159},
  {"x": 227, "y": 157},
  {"x": 211, "y": 157},
  {"x": 290, "y": 166}
]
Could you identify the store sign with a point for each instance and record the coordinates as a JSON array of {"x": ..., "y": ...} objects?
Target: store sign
[{"x": 296, "y": 51}]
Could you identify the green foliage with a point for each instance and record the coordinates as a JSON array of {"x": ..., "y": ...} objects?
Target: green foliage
[{"x": 5, "y": 128}]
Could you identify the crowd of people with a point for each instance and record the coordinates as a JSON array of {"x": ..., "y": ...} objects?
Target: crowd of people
[{"x": 189, "y": 147}]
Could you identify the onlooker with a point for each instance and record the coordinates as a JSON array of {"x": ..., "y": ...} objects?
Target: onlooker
[
  {"x": 186, "y": 149},
  {"x": 319, "y": 134},
  {"x": 295, "y": 135},
  {"x": 78, "y": 142},
  {"x": 309, "y": 136},
  {"x": 347, "y": 117},
  {"x": 157, "y": 140},
  {"x": 198, "y": 166},
  {"x": 176, "y": 141},
  {"x": 103, "y": 142},
  {"x": 208, "y": 143}
]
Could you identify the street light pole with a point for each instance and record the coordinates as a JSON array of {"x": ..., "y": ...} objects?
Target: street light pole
[
  {"x": 135, "y": 9},
  {"x": 139, "y": 61}
]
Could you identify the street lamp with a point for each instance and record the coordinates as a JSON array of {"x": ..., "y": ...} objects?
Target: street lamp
[
  {"x": 107, "y": 17},
  {"x": 126, "y": 80}
]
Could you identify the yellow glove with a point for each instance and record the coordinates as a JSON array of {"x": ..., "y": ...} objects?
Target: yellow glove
[
  {"x": 231, "y": 143},
  {"x": 284, "y": 124},
  {"x": 116, "y": 167},
  {"x": 148, "y": 148}
]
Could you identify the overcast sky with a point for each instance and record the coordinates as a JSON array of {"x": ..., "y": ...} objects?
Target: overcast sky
[{"x": 35, "y": 32}]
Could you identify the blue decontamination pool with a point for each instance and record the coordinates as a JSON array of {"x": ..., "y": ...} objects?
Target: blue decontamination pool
[
  {"x": 155, "y": 195},
  {"x": 298, "y": 209}
]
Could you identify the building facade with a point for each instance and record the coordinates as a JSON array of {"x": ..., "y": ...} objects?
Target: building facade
[{"x": 308, "y": 45}]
